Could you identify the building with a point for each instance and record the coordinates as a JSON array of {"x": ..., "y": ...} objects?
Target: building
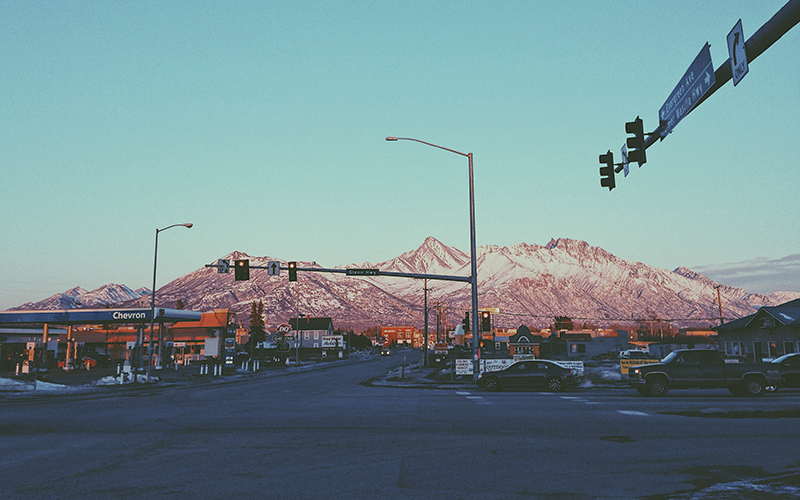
[
  {"x": 402, "y": 335},
  {"x": 311, "y": 332},
  {"x": 582, "y": 344},
  {"x": 771, "y": 332},
  {"x": 188, "y": 338}
]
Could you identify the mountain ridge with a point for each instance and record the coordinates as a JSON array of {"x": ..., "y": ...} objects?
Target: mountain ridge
[{"x": 529, "y": 284}]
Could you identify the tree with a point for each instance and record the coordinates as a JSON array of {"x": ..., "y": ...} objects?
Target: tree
[{"x": 257, "y": 333}]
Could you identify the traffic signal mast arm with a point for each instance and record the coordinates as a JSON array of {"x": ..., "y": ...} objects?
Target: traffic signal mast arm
[
  {"x": 465, "y": 279},
  {"x": 784, "y": 20}
]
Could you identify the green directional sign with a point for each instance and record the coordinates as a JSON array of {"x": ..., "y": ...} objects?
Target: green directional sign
[{"x": 362, "y": 272}]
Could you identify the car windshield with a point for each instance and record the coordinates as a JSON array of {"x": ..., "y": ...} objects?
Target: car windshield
[
  {"x": 783, "y": 358},
  {"x": 669, "y": 357}
]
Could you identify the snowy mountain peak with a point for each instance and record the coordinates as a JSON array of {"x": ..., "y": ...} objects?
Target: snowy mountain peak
[{"x": 432, "y": 256}]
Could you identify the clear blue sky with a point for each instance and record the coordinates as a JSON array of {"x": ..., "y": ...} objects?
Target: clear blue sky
[{"x": 263, "y": 123}]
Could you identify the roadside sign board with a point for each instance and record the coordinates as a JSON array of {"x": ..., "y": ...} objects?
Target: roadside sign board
[
  {"x": 362, "y": 272},
  {"x": 697, "y": 80},
  {"x": 284, "y": 328},
  {"x": 625, "y": 163},
  {"x": 626, "y": 364},
  {"x": 273, "y": 268},
  {"x": 737, "y": 53}
]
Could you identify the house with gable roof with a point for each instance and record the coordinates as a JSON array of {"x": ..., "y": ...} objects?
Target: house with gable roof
[{"x": 771, "y": 332}]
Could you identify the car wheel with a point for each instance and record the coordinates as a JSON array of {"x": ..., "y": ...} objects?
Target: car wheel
[
  {"x": 491, "y": 384},
  {"x": 656, "y": 386},
  {"x": 753, "y": 386},
  {"x": 555, "y": 384}
]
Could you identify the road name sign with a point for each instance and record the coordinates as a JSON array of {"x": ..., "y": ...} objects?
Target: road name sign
[
  {"x": 625, "y": 162},
  {"x": 223, "y": 266},
  {"x": 362, "y": 272},
  {"x": 691, "y": 88},
  {"x": 737, "y": 52}
]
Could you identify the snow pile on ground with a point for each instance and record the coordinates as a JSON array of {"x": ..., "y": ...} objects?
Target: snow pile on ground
[
  {"x": 11, "y": 385},
  {"x": 111, "y": 380}
]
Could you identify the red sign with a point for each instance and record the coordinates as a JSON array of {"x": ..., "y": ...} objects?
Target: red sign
[{"x": 284, "y": 328}]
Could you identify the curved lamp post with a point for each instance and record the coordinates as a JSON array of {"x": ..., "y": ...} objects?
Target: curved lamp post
[
  {"x": 153, "y": 300},
  {"x": 474, "y": 266}
]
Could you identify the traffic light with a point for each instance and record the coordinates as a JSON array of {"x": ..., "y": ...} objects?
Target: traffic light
[
  {"x": 636, "y": 149},
  {"x": 241, "y": 270},
  {"x": 292, "y": 271},
  {"x": 465, "y": 322},
  {"x": 486, "y": 321},
  {"x": 607, "y": 172}
]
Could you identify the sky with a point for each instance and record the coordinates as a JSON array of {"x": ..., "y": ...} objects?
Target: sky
[{"x": 264, "y": 124}]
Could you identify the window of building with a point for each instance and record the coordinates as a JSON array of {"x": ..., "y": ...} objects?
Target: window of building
[
  {"x": 788, "y": 347},
  {"x": 734, "y": 348},
  {"x": 773, "y": 349}
]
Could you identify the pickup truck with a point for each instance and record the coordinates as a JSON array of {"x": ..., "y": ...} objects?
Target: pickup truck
[{"x": 691, "y": 368}]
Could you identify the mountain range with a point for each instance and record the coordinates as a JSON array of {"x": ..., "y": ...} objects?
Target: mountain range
[{"x": 530, "y": 284}]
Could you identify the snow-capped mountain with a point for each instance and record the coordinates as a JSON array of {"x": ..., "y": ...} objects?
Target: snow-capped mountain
[
  {"x": 78, "y": 297},
  {"x": 530, "y": 284}
]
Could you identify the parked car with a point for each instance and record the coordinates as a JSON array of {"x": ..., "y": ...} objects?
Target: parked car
[
  {"x": 789, "y": 365},
  {"x": 698, "y": 368},
  {"x": 531, "y": 374}
]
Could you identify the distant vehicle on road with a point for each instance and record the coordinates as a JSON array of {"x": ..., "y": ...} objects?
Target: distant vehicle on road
[
  {"x": 532, "y": 374},
  {"x": 634, "y": 354},
  {"x": 699, "y": 368},
  {"x": 386, "y": 351},
  {"x": 789, "y": 366}
]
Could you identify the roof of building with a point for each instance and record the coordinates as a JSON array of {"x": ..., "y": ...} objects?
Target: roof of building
[
  {"x": 309, "y": 323},
  {"x": 787, "y": 313},
  {"x": 216, "y": 319}
]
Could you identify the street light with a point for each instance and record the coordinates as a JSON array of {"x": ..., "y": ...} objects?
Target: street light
[
  {"x": 473, "y": 262},
  {"x": 153, "y": 300}
]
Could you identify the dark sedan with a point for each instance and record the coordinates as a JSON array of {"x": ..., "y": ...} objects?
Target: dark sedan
[
  {"x": 533, "y": 374},
  {"x": 790, "y": 370}
]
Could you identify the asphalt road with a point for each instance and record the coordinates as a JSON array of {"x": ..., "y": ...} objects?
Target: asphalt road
[{"x": 323, "y": 433}]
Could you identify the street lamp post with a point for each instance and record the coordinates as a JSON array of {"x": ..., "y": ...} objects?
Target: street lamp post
[
  {"x": 473, "y": 262},
  {"x": 153, "y": 300}
]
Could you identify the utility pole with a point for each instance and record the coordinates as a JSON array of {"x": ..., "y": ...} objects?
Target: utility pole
[{"x": 719, "y": 302}]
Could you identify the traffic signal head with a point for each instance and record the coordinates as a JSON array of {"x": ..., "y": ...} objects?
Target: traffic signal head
[
  {"x": 292, "y": 271},
  {"x": 486, "y": 321},
  {"x": 636, "y": 149},
  {"x": 607, "y": 172},
  {"x": 465, "y": 322},
  {"x": 241, "y": 270}
]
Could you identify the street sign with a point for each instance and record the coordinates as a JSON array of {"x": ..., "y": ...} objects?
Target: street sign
[
  {"x": 737, "y": 53},
  {"x": 625, "y": 163},
  {"x": 362, "y": 272},
  {"x": 223, "y": 266},
  {"x": 273, "y": 268},
  {"x": 691, "y": 88}
]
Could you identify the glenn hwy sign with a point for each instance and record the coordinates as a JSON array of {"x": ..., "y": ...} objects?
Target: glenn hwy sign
[
  {"x": 362, "y": 272},
  {"x": 691, "y": 88}
]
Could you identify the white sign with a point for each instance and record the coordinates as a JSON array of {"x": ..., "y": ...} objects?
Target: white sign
[
  {"x": 273, "y": 268},
  {"x": 737, "y": 52},
  {"x": 332, "y": 341}
]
